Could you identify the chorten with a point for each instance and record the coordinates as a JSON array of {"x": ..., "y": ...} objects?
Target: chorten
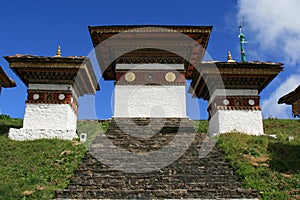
[
  {"x": 234, "y": 103},
  {"x": 54, "y": 86},
  {"x": 150, "y": 66}
]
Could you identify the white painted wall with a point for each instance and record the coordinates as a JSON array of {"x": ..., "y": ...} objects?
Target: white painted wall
[
  {"x": 46, "y": 121},
  {"x": 224, "y": 121},
  {"x": 49, "y": 116},
  {"x": 150, "y": 101}
]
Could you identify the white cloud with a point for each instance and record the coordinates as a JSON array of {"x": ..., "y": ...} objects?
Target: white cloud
[
  {"x": 274, "y": 22},
  {"x": 275, "y": 27}
]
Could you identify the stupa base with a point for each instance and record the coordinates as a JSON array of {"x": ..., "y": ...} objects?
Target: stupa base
[{"x": 35, "y": 134}]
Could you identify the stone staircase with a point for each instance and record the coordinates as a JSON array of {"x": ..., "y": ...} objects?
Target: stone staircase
[{"x": 192, "y": 175}]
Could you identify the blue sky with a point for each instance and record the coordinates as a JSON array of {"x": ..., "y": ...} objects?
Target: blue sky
[{"x": 37, "y": 27}]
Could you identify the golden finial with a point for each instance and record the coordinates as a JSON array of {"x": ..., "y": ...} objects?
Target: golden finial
[
  {"x": 58, "y": 53},
  {"x": 229, "y": 57}
]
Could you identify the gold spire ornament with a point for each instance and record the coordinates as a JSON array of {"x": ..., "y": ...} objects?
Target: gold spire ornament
[
  {"x": 58, "y": 53},
  {"x": 229, "y": 57}
]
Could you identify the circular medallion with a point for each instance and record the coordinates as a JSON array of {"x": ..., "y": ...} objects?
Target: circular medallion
[
  {"x": 170, "y": 77},
  {"x": 251, "y": 102},
  {"x": 129, "y": 76},
  {"x": 226, "y": 102},
  {"x": 36, "y": 96},
  {"x": 61, "y": 97},
  {"x": 149, "y": 77}
]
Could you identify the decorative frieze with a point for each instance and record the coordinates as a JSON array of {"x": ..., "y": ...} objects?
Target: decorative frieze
[
  {"x": 150, "y": 77},
  {"x": 52, "y": 97},
  {"x": 234, "y": 103}
]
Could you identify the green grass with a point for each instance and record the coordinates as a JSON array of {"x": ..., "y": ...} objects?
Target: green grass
[
  {"x": 272, "y": 166},
  {"x": 92, "y": 128},
  {"x": 37, "y": 168},
  {"x": 6, "y": 122},
  {"x": 201, "y": 126}
]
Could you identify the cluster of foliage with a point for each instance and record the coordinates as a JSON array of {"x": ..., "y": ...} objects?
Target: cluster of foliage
[{"x": 267, "y": 164}]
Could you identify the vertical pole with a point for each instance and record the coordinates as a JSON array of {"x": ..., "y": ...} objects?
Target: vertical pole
[{"x": 242, "y": 41}]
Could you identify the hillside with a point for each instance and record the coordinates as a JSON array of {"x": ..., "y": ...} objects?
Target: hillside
[
  {"x": 35, "y": 169},
  {"x": 270, "y": 165}
]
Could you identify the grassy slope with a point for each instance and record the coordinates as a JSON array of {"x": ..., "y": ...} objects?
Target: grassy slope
[
  {"x": 39, "y": 167},
  {"x": 92, "y": 128},
  {"x": 272, "y": 166},
  {"x": 34, "y": 169}
]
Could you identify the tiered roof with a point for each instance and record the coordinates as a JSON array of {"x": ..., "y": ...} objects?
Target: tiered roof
[
  {"x": 72, "y": 70},
  {"x": 148, "y": 44},
  {"x": 232, "y": 75},
  {"x": 5, "y": 81}
]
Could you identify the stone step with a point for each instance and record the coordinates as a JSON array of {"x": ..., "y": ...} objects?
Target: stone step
[
  {"x": 195, "y": 168},
  {"x": 128, "y": 186},
  {"x": 155, "y": 183},
  {"x": 190, "y": 176},
  {"x": 157, "y": 194},
  {"x": 175, "y": 170}
]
